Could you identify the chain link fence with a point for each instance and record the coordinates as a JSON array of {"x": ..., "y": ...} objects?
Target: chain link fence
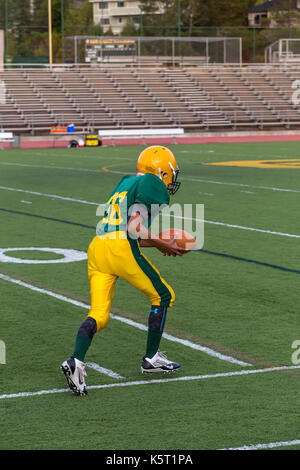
[
  {"x": 153, "y": 50},
  {"x": 32, "y": 40}
]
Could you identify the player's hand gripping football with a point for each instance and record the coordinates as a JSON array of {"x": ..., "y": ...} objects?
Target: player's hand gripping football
[
  {"x": 168, "y": 247},
  {"x": 172, "y": 249}
]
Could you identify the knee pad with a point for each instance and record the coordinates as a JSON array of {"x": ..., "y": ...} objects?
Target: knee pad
[{"x": 101, "y": 318}]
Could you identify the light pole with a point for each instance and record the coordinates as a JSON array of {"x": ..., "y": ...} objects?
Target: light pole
[
  {"x": 178, "y": 18},
  {"x": 50, "y": 33},
  {"x": 62, "y": 13},
  {"x": 6, "y": 31},
  {"x": 179, "y": 25}
]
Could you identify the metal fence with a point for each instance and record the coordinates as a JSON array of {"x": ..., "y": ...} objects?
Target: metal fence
[
  {"x": 32, "y": 40},
  {"x": 283, "y": 51},
  {"x": 158, "y": 50}
]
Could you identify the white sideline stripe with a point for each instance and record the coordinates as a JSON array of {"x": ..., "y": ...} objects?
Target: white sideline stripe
[
  {"x": 197, "y": 180},
  {"x": 140, "y": 326},
  {"x": 241, "y": 185},
  {"x": 52, "y": 196},
  {"x": 89, "y": 170},
  {"x": 103, "y": 370},
  {"x": 241, "y": 227},
  {"x": 82, "y": 201},
  {"x": 271, "y": 445},
  {"x": 147, "y": 382},
  {"x": 184, "y": 342}
]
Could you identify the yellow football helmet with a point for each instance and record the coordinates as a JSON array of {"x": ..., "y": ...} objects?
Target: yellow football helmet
[{"x": 161, "y": 162}]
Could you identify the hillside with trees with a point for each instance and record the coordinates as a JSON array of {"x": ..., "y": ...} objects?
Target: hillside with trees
[{"x": 26, "y": 23}]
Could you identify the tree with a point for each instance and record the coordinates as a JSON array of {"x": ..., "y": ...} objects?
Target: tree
[
  {"x": 159, "y": 17},
  {"x": 28, "y": 33},
  {"x": 80, "y": 20},
  {"x": 129, "y": 28},
  {"x": 223, "y": 12},
  {"x": 162, "y": 16},
  {"x": 285, "y": 13},
  {"x": 40, "y": 15},
  {"x": 109, "y": 32},
  {"x": 16, "y": 21}
]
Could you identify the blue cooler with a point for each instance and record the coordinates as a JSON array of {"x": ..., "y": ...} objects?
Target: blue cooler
[{"x": 70, "y": 128}]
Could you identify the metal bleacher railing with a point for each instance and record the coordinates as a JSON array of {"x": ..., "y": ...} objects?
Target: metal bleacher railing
[{"x": 213, "y": 97}]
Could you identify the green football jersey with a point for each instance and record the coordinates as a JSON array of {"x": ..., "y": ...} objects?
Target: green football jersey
[{"x": 147, "y": 190}]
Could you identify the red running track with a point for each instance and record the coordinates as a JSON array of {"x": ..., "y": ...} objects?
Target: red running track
[{"x": 46, "y": 143}]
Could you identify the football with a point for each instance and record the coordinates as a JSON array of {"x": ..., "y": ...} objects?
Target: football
[{"x": 184, "y": 240}]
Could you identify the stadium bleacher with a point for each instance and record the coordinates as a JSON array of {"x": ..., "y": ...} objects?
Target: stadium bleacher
[{"x": 195, "y": 98}]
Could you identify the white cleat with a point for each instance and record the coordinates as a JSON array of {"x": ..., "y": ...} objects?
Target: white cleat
[
  {"x": 158, "y": 363},
  {"x": 74, "y": 371}
]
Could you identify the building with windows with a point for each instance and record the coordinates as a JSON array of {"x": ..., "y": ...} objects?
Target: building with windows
[
  {"x": 114, "y": 14},
  {"x": 267, "y": 13}
]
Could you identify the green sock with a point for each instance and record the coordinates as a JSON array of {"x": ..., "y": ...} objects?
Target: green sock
[
  {"x": 153, "y": 341},
  {"x": 82, "y": 344}
]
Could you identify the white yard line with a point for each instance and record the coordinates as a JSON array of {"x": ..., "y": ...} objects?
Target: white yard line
[
  {"x": 52, "y": 196},
  {"x": 129, "y": 322},
  {"x": 150, "y": 382},
  {"x": 271, "y": 445},
  {"x": 241, "y": 185},
  {"x": 184, "y": 342},
  {"x": 103, "y": 370},
  {"x": 183, "y": 178},
  {"x": 240, "y": 227},
  {"x": 212, "y": 222},
  {"x": 54, "y": 167}
]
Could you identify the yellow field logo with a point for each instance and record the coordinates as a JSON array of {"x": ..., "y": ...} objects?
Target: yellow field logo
[{"x": 284, "y": 163}]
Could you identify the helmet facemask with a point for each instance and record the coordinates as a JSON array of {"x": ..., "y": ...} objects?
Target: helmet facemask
[{"x": 174, "y": 186}]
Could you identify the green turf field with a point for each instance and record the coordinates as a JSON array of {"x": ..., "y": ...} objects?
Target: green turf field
[{"x": 238, "y": 297}]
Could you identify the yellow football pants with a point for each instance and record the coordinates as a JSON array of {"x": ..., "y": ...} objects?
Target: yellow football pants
[{"x": 109, "y": 259}]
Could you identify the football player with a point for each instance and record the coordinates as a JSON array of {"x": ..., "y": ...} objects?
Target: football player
[{"x": 115, "y": 252}]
